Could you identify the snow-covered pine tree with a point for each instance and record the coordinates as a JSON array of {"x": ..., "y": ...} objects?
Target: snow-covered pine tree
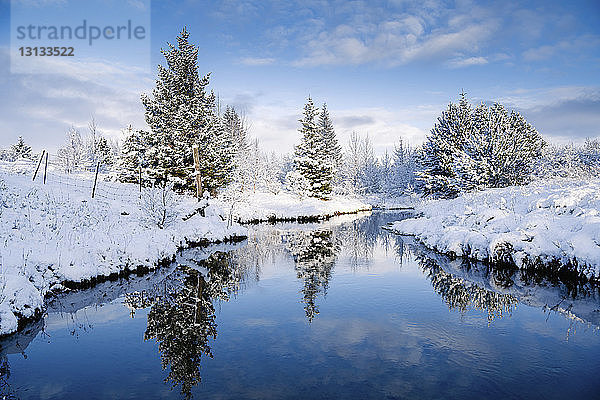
[
  {"x": 476, "y": 149},
  {"x": 402, "y": 170},
  {"x": 310, "y": 158},
  {"x": 20, "y": 149},
  {"x": 236, "y": 128},
  {"x": 438, "y": 153},
  {"x": 133, "y": 155},
  {"x": 180, "y": 114},
  {"x": 331, "y": 147}
]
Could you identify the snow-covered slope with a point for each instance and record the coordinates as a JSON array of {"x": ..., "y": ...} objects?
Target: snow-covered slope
[
  {"x": 286, "y": 206},
  {"x": 55, "y": 232},
  {"x": 544, "y": 221}
]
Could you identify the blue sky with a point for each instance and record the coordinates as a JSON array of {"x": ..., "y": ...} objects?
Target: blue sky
[{"x": 386, "y": 68}]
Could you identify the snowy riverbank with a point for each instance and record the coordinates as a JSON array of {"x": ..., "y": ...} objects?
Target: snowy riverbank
[
  {"x": 544, "y": 222},
  {"x": 55, "y": 232},
  {"x": 285, "y": 206}
]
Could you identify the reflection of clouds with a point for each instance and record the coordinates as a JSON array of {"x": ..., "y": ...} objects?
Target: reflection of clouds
[{"x": 253, "y": 322}]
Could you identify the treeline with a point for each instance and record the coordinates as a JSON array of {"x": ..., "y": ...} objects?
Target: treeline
[{"x": 469, "y": 148}]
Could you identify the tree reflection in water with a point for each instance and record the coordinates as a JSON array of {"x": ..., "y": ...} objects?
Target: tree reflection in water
[
  {"x": 182, "y": 310},
  {"x": 462, "y": 295},
  {"x": 182, "y": 316},
  {"x": 314, "y": 254}
]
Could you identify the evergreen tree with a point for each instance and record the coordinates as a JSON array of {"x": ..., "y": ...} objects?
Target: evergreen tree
[
  {"x": 180, "y": 114},
  {"x": 404, "y": 166},
  {"x": 475, "y": 149},
  {"x": 133, "y": 155},
  {"x": 310, "y": 156},
  {"x": 236, "y": 129},
  {"x": 439, "y": 150},
  {"x": 331, "y": 147},
  {"x": 20, "y": 149}
]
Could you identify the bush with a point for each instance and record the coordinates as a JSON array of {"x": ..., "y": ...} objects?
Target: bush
[
  {"x": 158, "y": 205},
  {"x": 472, "y": 149}
]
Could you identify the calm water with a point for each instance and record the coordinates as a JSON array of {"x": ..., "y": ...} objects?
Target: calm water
[{"x": 340, "y": 309}]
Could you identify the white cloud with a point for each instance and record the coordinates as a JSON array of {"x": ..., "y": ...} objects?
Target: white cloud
[
  {"x": 41, "y": 107},
  {"x": 467, "y": 62},
  {"x": 256, "y": 61},
  {"x": 396, "y": 42}
]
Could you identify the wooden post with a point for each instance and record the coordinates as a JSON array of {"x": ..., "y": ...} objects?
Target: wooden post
[
  {"x": 45, "y": 168},
  {"x": 95, "y": 179},
  {"x": 197, "y": 169},
  {"x": 140, "y": 178},
  {"x": 38, "y": 166}
]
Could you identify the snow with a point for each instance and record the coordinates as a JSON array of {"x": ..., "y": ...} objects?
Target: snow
[
  {"x": 262, "y": 206},
  {"x": 55, "y": 232},
  {"x": 548, "y": 221}
]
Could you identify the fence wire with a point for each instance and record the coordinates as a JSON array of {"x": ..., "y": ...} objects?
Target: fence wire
[{"x": 80, "y": 180}]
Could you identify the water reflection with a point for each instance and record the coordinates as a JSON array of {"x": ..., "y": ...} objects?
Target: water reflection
[
  {"x": 182, "y": 301},
  {"x": 314, "y": 254},
  {"x": 461, "y": 294},
  {"x": 182, "y": 316},
  {"x": 15, "y": 344},
  {"x": 497, "y": 290}
]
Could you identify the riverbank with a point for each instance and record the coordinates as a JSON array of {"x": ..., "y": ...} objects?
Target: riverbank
[
  {"x": 554, "y": 224},
  {"x": 285, "y": 206},
  {"x": 55, "y": 233}
]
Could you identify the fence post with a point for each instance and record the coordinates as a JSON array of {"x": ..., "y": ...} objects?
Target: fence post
[
  {"x": 38, "y": 166},
  {"x": 95, "y": 179},
  {"x": 140, "y": 179},
  {"x": 45, "y": 168},
  {"x": 197, "y": 169}
]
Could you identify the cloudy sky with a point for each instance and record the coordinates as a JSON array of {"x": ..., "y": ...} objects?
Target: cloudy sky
[{"x": 386, "y": 68}]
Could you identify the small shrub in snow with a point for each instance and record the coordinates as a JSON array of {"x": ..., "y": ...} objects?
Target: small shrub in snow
[{"x": 158, "y": 205}]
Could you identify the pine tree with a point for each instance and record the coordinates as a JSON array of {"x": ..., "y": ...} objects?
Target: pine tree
[
  {"x": 236, "y": 129},
  {"x": 331, "y": 147},
  {"x": 310, "y": 159},
  {"x": 133, "y": 155},
  {"x": 20, "y": 149},
  {"x": 439, "y": 150},
  {"x": 475, "y": 149},
  {"x": 181, "y": 114}
]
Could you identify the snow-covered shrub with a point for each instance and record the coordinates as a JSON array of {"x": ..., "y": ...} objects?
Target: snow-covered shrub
[
  {"x": 158, "y": 205},
  {"x": 476, "y": 148},
  {"x": 570, "y": 161}
]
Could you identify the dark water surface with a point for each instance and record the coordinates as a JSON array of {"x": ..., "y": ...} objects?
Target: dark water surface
[{"x": 340, "y": 309}]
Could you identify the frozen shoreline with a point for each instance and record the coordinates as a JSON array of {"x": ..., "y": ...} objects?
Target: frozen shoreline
[{"x": 554, "y": 222}]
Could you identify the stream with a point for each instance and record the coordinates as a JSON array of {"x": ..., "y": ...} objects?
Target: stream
[{"x": 334, "y": 310}]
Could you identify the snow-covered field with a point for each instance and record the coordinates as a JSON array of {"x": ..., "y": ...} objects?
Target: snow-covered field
[
  {"x": 544, "y": 221},
  {"x": 286, "y": 206},
  {"x": 55, "y": 232}
]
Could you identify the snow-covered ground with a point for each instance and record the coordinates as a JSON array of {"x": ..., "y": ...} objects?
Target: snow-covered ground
[
  {"x": 55, "y": 232},
  {"x": 287, "y": 206},
  {"x": 545, "y": 221}
]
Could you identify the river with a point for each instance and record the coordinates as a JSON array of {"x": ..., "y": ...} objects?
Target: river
[{"x": 339, "y": 309}]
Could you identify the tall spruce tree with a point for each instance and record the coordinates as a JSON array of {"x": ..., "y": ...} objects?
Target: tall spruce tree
[
  {"x": 181, "y": 113},
  {"x": 331, "y": 147},
  {"x": 310, "y": 156}
]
